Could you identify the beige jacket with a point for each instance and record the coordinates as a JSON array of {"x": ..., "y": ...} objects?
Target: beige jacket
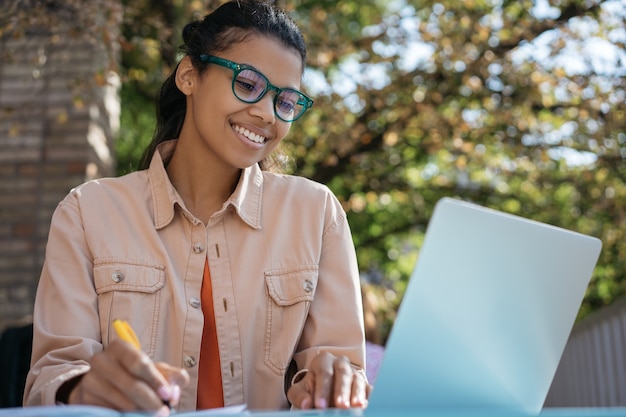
[{"x": 283, "y": 268}]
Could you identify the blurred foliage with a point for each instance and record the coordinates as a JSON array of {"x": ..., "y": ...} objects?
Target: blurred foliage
[
  {"x": 504, "y": 103},
  {"x": 515, "y": 105}
]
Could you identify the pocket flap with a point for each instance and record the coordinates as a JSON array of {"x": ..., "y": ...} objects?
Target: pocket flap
[
  {"x": 125, "y": 275},
  {"x": 291, "y": 286}
]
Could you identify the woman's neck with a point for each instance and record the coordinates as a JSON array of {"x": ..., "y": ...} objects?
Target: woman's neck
[{"x": 203, "y": 184}]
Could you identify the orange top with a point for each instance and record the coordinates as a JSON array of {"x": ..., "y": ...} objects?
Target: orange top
[{"x": 210, "y": 391}]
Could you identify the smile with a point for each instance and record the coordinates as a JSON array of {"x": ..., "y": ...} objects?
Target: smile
[{"x": 250, "y": 135}]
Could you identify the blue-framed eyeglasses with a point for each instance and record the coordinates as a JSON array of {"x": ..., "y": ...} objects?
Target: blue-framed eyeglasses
[{"x": 250, "y": 86}]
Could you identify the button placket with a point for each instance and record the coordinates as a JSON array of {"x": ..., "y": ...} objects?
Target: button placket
[{"x": 193, "y": 290}]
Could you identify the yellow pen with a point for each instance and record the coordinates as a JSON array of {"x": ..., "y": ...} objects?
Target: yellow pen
[{"x": 127, "y": 334}]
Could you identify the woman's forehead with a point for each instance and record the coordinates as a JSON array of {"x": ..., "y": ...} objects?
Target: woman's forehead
[{"x": 280, "y": 64}]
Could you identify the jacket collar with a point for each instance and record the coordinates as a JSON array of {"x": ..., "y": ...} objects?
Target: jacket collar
[{"x": 246, "y": 200}]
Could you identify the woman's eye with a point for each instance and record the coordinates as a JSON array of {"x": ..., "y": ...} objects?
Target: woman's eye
[
  {"x": 286, "y": 105},
  {"x": 250, "y": 82},
  {"x": 245, "y": 85}
]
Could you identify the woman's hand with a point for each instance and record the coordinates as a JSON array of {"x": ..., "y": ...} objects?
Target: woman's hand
[
  {"x": 331, "y": 381},
  {"x": 124, "y": 378}
]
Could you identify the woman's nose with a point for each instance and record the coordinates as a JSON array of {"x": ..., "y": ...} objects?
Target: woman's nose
[{"x": 264, "y": 108}]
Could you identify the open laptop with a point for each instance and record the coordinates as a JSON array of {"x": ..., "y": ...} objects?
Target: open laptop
[{"x": 486, "y": 314}]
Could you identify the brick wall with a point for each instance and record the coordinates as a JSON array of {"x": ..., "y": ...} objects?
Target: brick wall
[{"x": 59, "y": 111}]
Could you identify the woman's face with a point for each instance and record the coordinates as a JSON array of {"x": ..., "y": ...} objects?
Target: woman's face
[{"x": 235, "y": 133}]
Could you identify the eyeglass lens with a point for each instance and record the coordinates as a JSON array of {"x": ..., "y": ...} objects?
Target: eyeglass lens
[{"x": 250, "y": 86}]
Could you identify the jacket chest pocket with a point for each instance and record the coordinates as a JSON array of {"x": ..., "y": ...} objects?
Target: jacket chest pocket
[
  {"x": 129, "y": 290},
  {"x": 289, "y": 296}
]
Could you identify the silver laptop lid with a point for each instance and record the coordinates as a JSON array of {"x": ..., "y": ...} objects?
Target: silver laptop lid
[{"x": 487, "y": 312}]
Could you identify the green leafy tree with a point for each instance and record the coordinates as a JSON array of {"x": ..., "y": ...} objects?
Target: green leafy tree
[
  {"x": 494, "y": 102},
  {"x": 505, "y": 103},
  {"x": 516, "y": 105}
]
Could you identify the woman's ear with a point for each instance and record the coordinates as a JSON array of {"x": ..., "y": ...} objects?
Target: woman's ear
[{"x": 185, "y": 75}]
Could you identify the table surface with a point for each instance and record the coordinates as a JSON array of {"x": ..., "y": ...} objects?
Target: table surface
[{"x": 86, "y": 411}]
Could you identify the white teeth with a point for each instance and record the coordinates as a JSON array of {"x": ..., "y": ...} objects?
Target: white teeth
[{"x": 252, "y": 136}]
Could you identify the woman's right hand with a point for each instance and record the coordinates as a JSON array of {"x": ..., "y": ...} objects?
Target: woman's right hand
[{"x": 124, "y": 378}]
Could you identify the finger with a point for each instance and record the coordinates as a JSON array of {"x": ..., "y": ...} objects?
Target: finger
[
  {"x": 108, "y": 396},
  {"x": 87, "y": 392},
  {"x": 95, "y": 389},
  {"x": 299, "y": 394},
  {"x": 359, "y": 391},
  {"x": 176, "y": 377},
  {"x": 343, "y": 376},
  {"x": 127, "y": 369},
  {"x": 141, "y": 367},
  {"x": 322, "y": 374},
  {"x": 173, "y": 374}
]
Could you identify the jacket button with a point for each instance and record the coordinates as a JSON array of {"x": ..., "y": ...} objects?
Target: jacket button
[
  {"x": 198, "y": 248},
  {"x": 307, "y": 285},
  {"x": 117, "y": 276},
  {"x": 194, "y": 302},
  {"x": 189, "y": 361}
]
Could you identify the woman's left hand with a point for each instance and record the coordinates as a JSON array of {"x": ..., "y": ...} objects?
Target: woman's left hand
[{"x": 331, "y": 381}]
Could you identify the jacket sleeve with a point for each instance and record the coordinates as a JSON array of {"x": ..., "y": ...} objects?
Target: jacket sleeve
[
  {"x": 335, "y": 319},
  {"x": 66, "y": 327}
]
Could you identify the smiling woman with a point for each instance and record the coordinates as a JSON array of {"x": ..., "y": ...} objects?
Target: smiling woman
[{"x": 232, "y": 277}]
